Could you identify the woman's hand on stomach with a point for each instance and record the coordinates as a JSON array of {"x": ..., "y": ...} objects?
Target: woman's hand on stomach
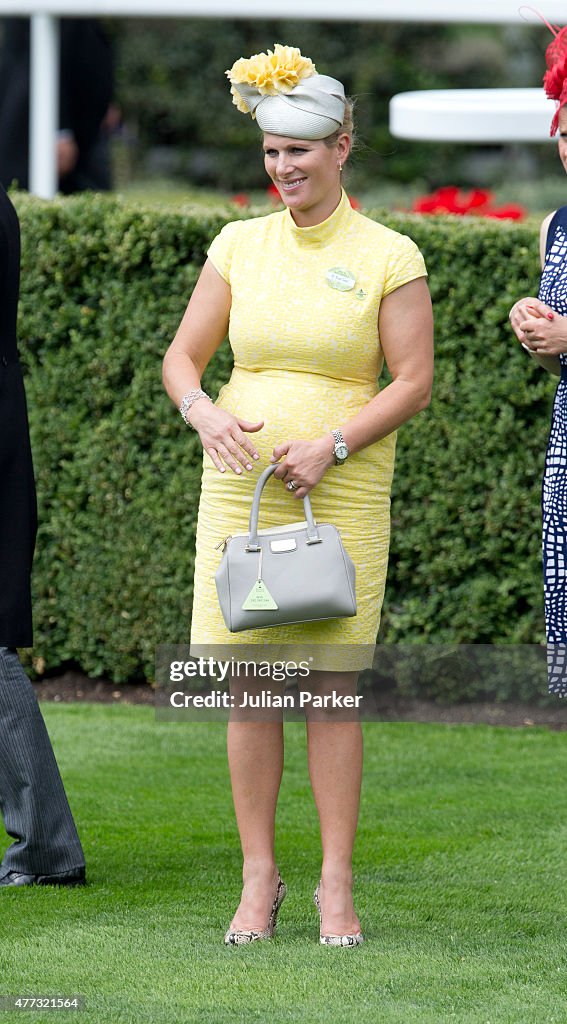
[{"x": 223, "y": 436}]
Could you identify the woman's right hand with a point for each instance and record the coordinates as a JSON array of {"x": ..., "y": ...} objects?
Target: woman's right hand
[
  {"x": 222, "y": 436},
  {"x": 526, "y": 309}
]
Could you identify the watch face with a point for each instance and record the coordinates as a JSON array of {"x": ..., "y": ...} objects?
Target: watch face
[{"x": 341, "y": 451}]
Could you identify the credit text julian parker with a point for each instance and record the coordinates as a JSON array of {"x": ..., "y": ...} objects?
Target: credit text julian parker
[{"x": 265, "y": 699}]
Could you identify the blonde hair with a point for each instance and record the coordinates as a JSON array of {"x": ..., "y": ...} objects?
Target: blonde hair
[{"x": 346, "y": 128}]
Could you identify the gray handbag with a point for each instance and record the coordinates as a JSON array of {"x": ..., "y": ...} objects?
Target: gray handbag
[{"x": 295, "y": 573}]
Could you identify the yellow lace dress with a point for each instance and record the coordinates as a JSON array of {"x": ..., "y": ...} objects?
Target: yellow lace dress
[{"x": 307, "y": 358}]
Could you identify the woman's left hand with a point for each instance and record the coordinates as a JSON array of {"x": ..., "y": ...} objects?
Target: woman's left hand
[
  {"x": 305, "y": 462},
  {"x": 546, "y": 337}
]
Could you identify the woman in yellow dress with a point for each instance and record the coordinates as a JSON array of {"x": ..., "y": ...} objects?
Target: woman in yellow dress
[{"x": 313, "y": 298}]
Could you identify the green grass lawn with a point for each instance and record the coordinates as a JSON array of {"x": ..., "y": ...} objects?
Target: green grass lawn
[{"x": 460, "y": 872}]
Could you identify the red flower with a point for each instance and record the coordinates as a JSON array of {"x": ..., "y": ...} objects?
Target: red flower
[
  {"x": 241, "y": 199},
  {"x": 273, "y": 194},
  {"x": 510, "y": 212},
  {"x": 354, "y": 203},
  {"x": 477, "y": 199},
  {"x": 450, "y": 199},
  {"x": 428, "y": 204}
]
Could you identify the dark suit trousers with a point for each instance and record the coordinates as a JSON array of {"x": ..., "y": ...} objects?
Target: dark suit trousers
[{"x": 32, "y": 798}]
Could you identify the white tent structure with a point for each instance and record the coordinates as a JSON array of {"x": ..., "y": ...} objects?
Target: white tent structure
[
  {"x": 411, "y": 113},
  {"x": 472, "y": 115}
]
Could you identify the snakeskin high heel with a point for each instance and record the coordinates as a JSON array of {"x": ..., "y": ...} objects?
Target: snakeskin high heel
[
  {"x": 335, "y": 940},
  {"x": 238, "y": 937}
]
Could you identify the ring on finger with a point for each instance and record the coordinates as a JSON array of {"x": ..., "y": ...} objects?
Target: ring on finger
[{"x": 291, "y": 485}]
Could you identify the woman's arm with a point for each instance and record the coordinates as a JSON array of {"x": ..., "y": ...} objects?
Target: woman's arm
[
  {"x": 406, "y": 334},
  {"x": 529, "y": 308},
  {"x": 200, "y": 333}
]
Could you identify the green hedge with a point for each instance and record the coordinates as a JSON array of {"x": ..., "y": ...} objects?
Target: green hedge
[{"x": 104, "y": 285}]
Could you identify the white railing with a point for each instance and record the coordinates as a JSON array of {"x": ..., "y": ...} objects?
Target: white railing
[
  {"x": 467, "y": 11},
  {"x": 44, "y": 16}
]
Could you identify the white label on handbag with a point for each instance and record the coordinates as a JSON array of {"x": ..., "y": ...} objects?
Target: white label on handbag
[
  {"x": 259, "y": 597},
  {"x": 283, "y": 545}
]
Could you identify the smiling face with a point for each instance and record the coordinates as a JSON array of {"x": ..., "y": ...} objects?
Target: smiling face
[{"x": 306, "y": 174}]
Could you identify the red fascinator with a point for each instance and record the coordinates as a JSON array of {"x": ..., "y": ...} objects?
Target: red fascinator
[{"x": 555, "y": 78}]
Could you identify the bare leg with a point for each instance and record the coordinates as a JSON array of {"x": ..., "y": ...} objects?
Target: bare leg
[
  {"x": 255, "y": 758},
  {"x": 335, "y": 768}
]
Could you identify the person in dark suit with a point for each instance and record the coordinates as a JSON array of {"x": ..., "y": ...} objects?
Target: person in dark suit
[
  {"x": 85, "y": 93},
  {"x": 47, "y": 849}
]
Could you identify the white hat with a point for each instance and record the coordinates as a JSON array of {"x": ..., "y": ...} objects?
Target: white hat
[
  {"x": 314, "y": 109},
  {"x": 284, "y": 93}
]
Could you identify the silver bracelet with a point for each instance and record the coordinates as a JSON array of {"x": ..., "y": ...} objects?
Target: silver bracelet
[{"x": 188, "y": 400}]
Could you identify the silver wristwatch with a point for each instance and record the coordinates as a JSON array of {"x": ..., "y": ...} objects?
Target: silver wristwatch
[{"x": 341, "y": 450}]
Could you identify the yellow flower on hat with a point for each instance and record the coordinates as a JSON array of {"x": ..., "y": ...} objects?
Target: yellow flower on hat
[
  {"x": 288, "y": 67},
  {"x": 278, "y": 70}
]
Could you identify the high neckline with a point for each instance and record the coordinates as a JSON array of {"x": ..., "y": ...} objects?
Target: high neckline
[{"x": 320, "y": 234}]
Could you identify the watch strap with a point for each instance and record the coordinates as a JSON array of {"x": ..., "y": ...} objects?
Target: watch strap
[{"x": 339, "y": 440}]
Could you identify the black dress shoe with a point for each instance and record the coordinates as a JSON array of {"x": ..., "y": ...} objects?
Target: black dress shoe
[{"x": 16, "y": 878}]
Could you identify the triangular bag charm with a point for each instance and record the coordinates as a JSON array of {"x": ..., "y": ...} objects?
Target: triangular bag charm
[{"x": 259, "y": 598}]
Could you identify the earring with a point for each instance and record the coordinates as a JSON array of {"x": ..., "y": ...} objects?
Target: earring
[{"x": 340, "y": 167}]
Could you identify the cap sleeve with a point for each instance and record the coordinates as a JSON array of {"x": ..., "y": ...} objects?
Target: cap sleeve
[
  {"x": 405, "y": 264},
  {"x": 221, "y": 249}
]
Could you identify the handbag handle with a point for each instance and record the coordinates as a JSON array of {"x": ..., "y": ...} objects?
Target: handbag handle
[{"x": 253, "y": 545}]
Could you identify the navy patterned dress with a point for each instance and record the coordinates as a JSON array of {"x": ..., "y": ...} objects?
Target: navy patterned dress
[{"x": 553, "y": 291}]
